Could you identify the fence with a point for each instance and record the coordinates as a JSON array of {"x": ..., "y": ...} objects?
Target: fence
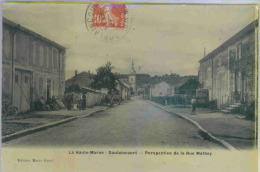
[{"x": 173, "y": 100}]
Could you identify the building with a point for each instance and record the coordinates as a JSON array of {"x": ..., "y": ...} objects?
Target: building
[
  {"x": 123, "y": 78},
  {"x": 228, "y": 72},
  {"x": 144, "y": 91},
  {"x": 161, "y": 89},
  {"x": 33, "y": 67},
  {"x": 83, "y": 79},
  {"x": 132, "y": 79},
  {"x": 75, "y": 94},
  {"x": 129, "y": 79},
  {"x": 123, "y": 89}
]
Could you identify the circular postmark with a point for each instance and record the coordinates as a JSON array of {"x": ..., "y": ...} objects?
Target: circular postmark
[{"x": 108, "y": 22}]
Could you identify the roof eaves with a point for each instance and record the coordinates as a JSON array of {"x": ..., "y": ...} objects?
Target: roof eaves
[
  {"x": 30, "y": 32},
  {"x": 231, "y": 40}
]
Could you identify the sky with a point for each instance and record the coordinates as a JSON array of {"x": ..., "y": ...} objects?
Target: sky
[{"x": 162, "y": 39}]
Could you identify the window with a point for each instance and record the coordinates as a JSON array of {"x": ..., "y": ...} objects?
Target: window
[
  {"x": 16, "y": 79},
  {"x": 239, "y": 45},
  {"x": 41, "y": 55},
  {"x": 237, "y": 57},
  {"x": 40, "y": 86},
  {"x": 47, "y": 56},
  {"x": 26, "y": 79},
  {"x": 55, "y": 58},
  {"x": 61, "y": 64},
  {"x": 50, "y": 58},
  {"x": 6, "y": 43}
]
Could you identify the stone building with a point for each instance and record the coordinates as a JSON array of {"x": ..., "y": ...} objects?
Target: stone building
[
  {"x": 228, "y": 72},
  {"x": 33, "y": 67}
]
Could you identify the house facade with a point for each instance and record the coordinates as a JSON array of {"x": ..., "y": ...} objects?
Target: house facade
[
  {"x": 129, "y": 80},
  {"x": 161, "y": 89},
  {"x": 124, "y": 90},
  {"x": 33, "y": 67},
  {"x": 228, "y": 72}
]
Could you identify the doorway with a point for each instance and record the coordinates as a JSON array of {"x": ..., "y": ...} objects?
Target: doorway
[
  {"x": 22, "y": 90},
  {"x": 48, "y": 90}
]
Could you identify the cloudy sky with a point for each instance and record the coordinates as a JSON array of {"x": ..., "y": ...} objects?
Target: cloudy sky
[{"x": 162, "y": 39}]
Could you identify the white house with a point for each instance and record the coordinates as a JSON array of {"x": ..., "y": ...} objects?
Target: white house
[{"x": 162, "y": 89}]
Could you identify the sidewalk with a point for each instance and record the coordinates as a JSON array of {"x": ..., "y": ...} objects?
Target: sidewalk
[
  {"x": 22, "y": 122},
  {"x": 238, "y": 132}
]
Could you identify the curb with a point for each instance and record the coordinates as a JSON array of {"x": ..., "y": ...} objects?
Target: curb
[
  {"x": 204, "y": 133},
  {"x": 93, "y": 112},
  {"x": 43, "y": 127}
]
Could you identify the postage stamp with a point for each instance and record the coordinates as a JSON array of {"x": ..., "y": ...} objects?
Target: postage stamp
[
  {"x": 108, "y": 22},
  {"x": 110, "y": 15}
]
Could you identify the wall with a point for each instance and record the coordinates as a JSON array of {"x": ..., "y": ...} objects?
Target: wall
[
  {"x": 125, "y": 93},
  {"x": 43, "y": 60},
  {"x": 233, "y": 72},
  {"x": 93, "y": 98},
  {"x": 132, "y": 82},
  {"x": 162, "y": 89},
  {"x": 6, "y": 63}
]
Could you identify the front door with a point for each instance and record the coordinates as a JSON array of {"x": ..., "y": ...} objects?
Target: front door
[
  {"x": 48, "y": 90},
  {"x": 22, "y": 90}
]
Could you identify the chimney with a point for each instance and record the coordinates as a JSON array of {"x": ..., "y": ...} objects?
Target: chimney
[{"x": 76, "y": 73}]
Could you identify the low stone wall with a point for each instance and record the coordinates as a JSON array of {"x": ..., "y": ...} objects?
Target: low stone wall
[{"x": 93, "y": 98}]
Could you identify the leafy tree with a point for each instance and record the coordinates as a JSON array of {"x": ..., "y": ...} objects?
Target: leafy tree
[
  {"x": 104, "y": 78},
  {"x": 190, "y": 86}
]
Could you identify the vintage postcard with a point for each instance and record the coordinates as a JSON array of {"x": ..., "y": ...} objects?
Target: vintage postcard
[{"x": 106, "y": 86}]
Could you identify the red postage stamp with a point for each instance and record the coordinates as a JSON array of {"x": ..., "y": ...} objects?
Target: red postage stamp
[{"x": 109, "y": 15}]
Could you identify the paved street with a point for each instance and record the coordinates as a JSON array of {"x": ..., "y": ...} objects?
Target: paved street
[
  {"x": 135, "y": 123},
  {"x": 238, "y": 132}
]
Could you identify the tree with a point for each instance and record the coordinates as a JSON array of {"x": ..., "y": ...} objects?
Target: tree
[
  {"x": 104, "y": 78},
  {"x": 190, "y": 86}
]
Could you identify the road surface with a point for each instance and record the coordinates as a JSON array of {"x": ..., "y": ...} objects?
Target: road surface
[{"x": 135, "y": 124}]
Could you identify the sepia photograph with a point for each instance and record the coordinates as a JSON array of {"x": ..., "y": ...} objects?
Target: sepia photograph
[{"x": 123, "y": 77}]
